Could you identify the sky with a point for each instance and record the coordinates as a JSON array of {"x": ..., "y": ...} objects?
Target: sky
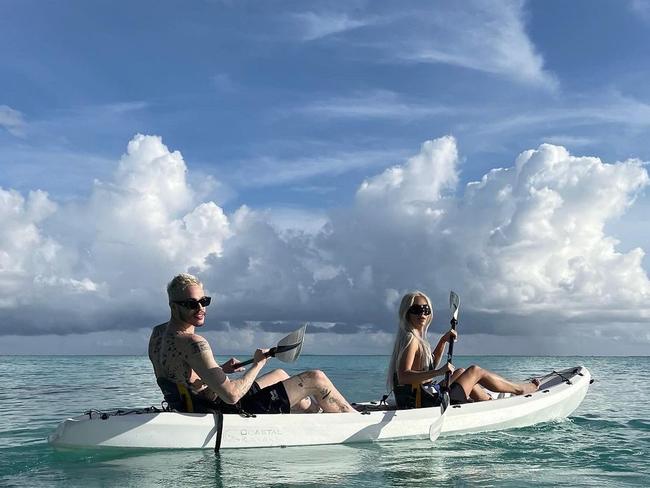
[{"x": 314, "y": 161}]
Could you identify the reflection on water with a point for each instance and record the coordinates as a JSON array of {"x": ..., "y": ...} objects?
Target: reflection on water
[{"x": 320, "y": 465}]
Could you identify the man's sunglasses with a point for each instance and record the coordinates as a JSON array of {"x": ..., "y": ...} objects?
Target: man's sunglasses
[
  {"x": 420, "y": 310},
  {"x": 194, "y": 304}
]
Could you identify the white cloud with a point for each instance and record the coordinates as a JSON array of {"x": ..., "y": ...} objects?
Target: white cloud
[
  {"x": 614, "y": 109},
  {"x": 25, "y": 252},
  {"x": 528, "y": 240},
  {"x": 488, "y": 37},
  {"x": 288, "y": 219},
  {"x": 544, "y": 244},
  {"x": 318, "y": 25},
  {"x": 224, "y": 83},
  {"x": 13, "y": 121},
  {"x": 419, "y": 181},
  {"x": 269, "y": 171},
  {"x": 377, "y": 104},
  {"x": 526, "y": 247},
  {"x": 640, "y": 8},
  {"x": 484, "y": 36},
  {"x": 569, "y": 140},
  {"x": 149, "y": 212},
  {"x": 118, "y": 247},
  {"x": 122, "y": 107}
]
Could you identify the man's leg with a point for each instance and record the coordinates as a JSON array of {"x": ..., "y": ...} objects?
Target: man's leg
[
  {"x": 278, "y": 375},
  {"x": 316, "y": 384},
  {"x": 272, "y": 378}
]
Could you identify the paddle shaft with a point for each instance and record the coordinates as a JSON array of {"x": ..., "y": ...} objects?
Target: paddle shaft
[
  {"x": 450, "y": 352},
  {"x": 270, "y": 353},
  {"x": 436, "y": 427}
]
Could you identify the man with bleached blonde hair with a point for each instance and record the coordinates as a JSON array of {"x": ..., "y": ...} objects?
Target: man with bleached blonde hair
[{"x": 192, "y": 381}]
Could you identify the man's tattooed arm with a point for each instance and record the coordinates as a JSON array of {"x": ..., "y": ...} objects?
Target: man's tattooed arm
[
  {"x": 200, "y": 346},
  {"x": 202, "y": 361}
]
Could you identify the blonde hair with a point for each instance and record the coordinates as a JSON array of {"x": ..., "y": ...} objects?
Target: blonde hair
[
  {"x": 405, "y": 336},
  {"x": 179, "y": 283}
]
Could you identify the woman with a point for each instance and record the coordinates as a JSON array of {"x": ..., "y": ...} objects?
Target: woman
[{"x": 413, "y": 363}]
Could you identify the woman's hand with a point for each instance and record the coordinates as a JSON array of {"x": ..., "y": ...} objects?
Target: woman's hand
[
  {"x": 452, "y": 335},
  {"x": 447, "y": 368}
]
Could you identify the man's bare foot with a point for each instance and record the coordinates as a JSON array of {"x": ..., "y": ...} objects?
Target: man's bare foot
[{"x": 531, "y": 387}]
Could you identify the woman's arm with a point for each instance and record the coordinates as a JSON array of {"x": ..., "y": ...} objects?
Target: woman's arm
[
  {"x": 406, "y": 372},
  {"x": 440, "y": 347}
]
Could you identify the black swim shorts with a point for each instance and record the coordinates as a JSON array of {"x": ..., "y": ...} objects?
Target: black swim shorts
[
  {"x": 457, "y": 394},
  {"x": 272, "y": 399}
]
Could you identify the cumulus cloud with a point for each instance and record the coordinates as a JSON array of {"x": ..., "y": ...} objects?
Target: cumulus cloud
[
  {"x": 525, "y": 246},
  {"x": 543, "y": 244},
  {"x": 110, "y": 255},
  {"x": 25, "y": 253}
]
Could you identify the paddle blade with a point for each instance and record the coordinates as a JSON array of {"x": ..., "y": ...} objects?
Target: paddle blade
[
  {"x": 436, "y": 428},
  {"x": 289, "y": 348},
  {"x": 454, "y": 304}
]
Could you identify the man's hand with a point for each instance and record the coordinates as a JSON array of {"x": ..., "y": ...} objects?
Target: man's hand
[
  {"x": 259, "y": 357},
  {"x": 228, "y": 366}
]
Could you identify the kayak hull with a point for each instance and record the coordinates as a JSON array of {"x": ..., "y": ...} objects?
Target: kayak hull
[{"x": 557, "y": 398}]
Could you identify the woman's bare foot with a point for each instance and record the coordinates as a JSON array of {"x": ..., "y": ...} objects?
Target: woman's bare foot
[{"x": 531, "y": 387}]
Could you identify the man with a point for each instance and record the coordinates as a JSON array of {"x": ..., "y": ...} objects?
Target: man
[{"x": 192, "y": 381}]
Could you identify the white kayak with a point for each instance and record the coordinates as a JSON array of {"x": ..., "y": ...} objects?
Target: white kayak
[{"x": 560, "y": 393}]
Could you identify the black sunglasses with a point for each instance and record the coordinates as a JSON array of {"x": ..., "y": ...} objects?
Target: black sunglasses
[
  {"x": 194, "y": 304},
  {"x": 420, "y": 310}
]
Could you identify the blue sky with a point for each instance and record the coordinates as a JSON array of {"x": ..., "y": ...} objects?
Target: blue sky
[{"x": 281, "y": 111}]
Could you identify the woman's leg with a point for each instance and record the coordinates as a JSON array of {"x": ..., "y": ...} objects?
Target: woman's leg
[
  {"x": 454, "y": 376},
  {"x": 478, "y": 394},
  {"x": 475, "y": 375}
]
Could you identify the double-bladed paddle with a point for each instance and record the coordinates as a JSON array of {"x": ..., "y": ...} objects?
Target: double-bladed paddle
[
  {"x": 436, "y": 427},
  {"x": 287, "y": 350}
]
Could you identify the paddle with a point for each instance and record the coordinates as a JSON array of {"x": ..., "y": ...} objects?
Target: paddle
[
  {"x": 436, "y": 427},
  {"x": 287, "y": 350}
]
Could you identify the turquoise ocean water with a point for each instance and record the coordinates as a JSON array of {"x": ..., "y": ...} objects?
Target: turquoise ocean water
[{"x": 605, "y": 443}]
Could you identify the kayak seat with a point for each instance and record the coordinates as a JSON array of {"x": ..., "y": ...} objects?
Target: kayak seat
[
  {"x": 181, "y": 399},
  {"x": 415, "y": 396}
]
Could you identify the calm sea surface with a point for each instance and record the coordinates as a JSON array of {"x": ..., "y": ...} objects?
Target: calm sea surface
[{"x": 605, "y": 443}]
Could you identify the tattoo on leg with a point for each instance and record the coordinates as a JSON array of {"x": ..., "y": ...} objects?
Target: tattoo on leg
[{"x": 325, "y": 392}]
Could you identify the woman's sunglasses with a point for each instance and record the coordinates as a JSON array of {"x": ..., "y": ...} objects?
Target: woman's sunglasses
[
  {"x": 420, "y": 310},
  {"x": 194, "y": 304}
]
